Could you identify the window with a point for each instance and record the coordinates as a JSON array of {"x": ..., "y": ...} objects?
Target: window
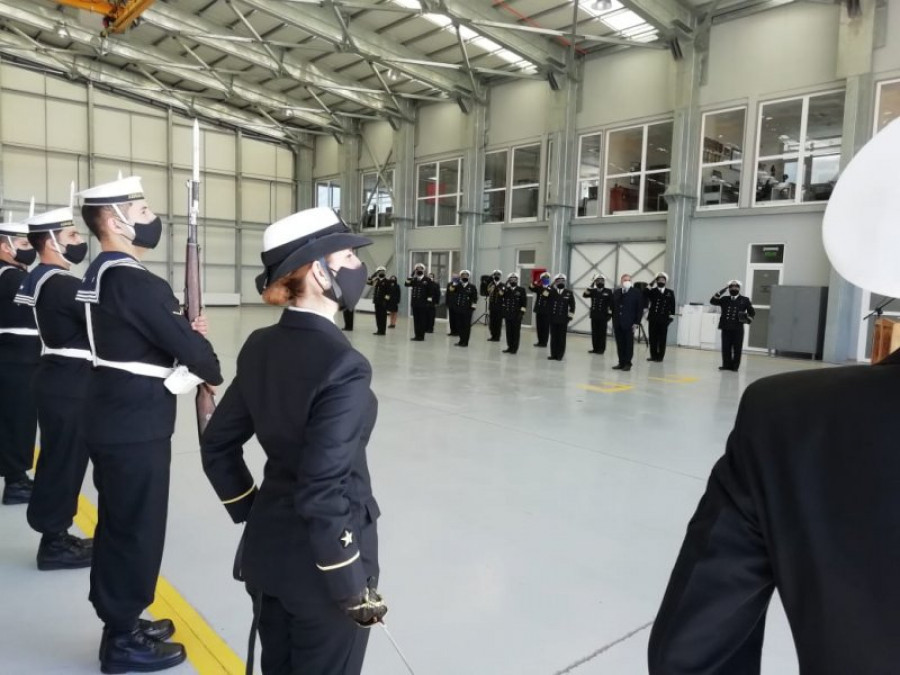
[
  {"x": 721, "y": 158},
  {"x": 377, "y": 205},
  {"x": 495, "y": 186},
  {"x": 328, "y": 194},
  {"x": 799, "y": 149},
  {"x": 526, "y": 182},
  {"x": 588, "y": 177},
  {"x": 638, "y": 165},
  {"x": 888, "y": 105},
  {"x": 438, "y": 193}
]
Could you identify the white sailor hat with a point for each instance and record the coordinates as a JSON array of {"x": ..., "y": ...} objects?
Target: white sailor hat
[
  {"x": 559, "y": 276},
  {"x": 302, "y": 238},
  {"x": 734, "y": 282},
  {"x": 51, "y": 221},
  {"x": 119, "y": 191},
  {"x": 663, "y": 275},
  {"x": 860, "y": 230},
  {"x": 13, "y": 229}
]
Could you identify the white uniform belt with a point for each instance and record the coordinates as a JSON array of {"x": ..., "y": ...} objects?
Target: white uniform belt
[
  {"x": 19, "y": 331},
  {"x": 136, "y": 368},
  {"x": 69, "y": 353}
]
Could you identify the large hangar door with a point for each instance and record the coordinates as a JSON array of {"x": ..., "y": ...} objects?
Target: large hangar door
[{"x": 640, "y": 259}]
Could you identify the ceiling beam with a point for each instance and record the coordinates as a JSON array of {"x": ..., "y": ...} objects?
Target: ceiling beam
[
  {"x": 320, "y": 21},
  {"x": 669, "y": 17}
]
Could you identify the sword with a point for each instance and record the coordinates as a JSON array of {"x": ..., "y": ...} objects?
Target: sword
[{"x": 397, "y": 648}]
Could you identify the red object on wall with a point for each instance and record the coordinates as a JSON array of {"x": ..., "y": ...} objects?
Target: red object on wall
[{"x": 536, "y": 274}]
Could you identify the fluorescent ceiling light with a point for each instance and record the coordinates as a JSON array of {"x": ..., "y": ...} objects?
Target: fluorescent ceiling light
[{"x": 623, "y": 21}]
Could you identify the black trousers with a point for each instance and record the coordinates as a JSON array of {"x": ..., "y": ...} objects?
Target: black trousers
[
  {"x": 132, "y": 481},
  {"x": 558, "y": 340},
  {"x": 514, "y": 333},
  {"x": 624, "y": 343},
  {"x": 18, "y": 419},
  {"x": 658, "y": 331},
  {"x": 732, "y": 347},
  {"x": 61, "y": 465},
  {"x": 495, "y": 323},
  {"x": 381, "y": 319},
  {"x": 348, "y": 319},
  {"x": 463, "y": 325},
  {"x": 598, "y": 334},
  {"x": 453, "y": 321},
  {"x": 309, "y": 639},
  {"x": 432, "y": 315},
  {"x": 420, "y": 322},
  {"x": 542, "y": 322}
]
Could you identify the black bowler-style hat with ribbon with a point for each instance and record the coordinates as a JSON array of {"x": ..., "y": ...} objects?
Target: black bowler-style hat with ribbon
[{"x": 302, "y": 238}]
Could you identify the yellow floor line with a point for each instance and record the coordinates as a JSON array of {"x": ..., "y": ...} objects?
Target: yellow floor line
[{"x": 207, "y": 652}]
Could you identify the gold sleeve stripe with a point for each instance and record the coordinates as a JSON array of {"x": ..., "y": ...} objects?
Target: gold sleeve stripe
[
  {"x": 329, "y": 568},
  {"x": 237, "y": 499}
]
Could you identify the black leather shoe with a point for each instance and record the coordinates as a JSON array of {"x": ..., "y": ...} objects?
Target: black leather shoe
[
  {"x": 724, "y": 368},
  {"x": 460, "y": 344},
  {"x": 538, "y": 344},
  {"x": 63, "y": 552},
  {"x": 157, "y": 630},
  {"x": 618, "y": 367},
  {"x": 18, "y": 492},
  {"x": 625, "y": 369},
  {"x": 591, "y": 351},
  {"x": 136, "y": 652}
]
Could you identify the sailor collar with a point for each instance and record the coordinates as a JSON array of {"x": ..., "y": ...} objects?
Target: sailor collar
[
  {"x": 90, "y": 285},
  {"x": 31, "y": 287}
]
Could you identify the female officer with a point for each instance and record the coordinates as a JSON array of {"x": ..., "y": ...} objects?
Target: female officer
[{"x": 310, "y": 556}]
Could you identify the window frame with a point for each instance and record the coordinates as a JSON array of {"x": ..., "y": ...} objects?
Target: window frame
[
  {"x": 439, "y": 195},
  {"x": 503, "y": 189},
  {"x": 526, "y": 186},
  {"x": 641, "y": 175},
  {"x": 579, "y": 179},
  {"x": 801, "y": 155},
  {"x": 707, "y": 165},
  {"x": 330, "y": 183},
  {"x": 387, "y": 172},
  {"x": 879, "y": 89}
]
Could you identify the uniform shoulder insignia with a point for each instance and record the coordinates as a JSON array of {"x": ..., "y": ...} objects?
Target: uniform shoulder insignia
[
  {"x": 546, "y": 294},
  {"x": 346, "y": 538}
]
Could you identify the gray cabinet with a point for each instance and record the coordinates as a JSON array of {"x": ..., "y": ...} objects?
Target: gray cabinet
[{"x": 797, "y": 320}]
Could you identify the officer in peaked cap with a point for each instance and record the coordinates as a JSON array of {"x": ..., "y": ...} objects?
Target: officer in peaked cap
[
  {"x": 20, "y": 349},
  {"x": 462, "y": 299},
  {"x": 59, "y": 387},
  {"x": 495, "y": 306},
  {"x": 660, "y": 313},
  {"x": 420, "y": 299},
  {"x": 380, "y": 297},
  {"x": 541, "y": 290},
  {"x": 562, "y": 311},
  {"x": 737, "y": 311},
  {"x": 310, "y": 554},
  {"x": 515, "y": 304},
  {"x": 601, "y": 311},
  {"x": 137, "y": 333}
]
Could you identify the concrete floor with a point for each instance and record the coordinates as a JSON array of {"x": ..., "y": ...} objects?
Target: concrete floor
[{"x": 532, "y": 510}]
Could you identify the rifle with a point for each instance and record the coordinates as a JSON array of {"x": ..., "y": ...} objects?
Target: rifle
[{"x": 205, "y": 401}]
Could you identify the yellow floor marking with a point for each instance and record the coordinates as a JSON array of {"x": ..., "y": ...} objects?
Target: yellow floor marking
[
  {"x": 674, "y": 379},
  {"x": 207, "y": 652},
  {"x": 606, "y": 387}
]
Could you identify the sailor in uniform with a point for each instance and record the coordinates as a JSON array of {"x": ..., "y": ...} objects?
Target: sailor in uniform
[
  {"x": 380, "y": 298},
  {"x": 541, "y": 291},
  {"x": 515, "y": 303},
  {"x": 310, "y": 552},
  {"x": 137, "y": 333},
  {"x": 601, "y": 311},
  {"x": 448, "y": 302},
  {"x": 20, "y": 349},
  {"x": 495, "y": 306},
  {"x": 420, "y": 299},
  {"x": 59, "y": 387},
  {"x": 737, "y": 311},
  {"x": 462, "y": 298},
  {"x": 434, "y": 294},
  {"x": 562, "y": 311},
  {"x": 393, "y": 303},
  {"x": 660, "y": 313}
]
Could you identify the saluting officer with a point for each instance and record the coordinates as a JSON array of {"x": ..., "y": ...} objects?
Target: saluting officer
[
  {"x": 562, "y": 310},
  {"x": 435, "y": 297},
  {"x": 448, "y": 301},
  {"x": 515, "y": 303},
  {"x": 59, "y": 387},
  {"x": 495, "y": 306},
  {"x": 380, "y": 297},
  {"x": 601, "y": 310},
  {"x": 137, "y": 334},
  {"x": 393, "y": 303},
  {"x": 20, "y": 349},
  {"x": 628, "y": 309},
  {"x": 310, "y": 556},
  {"x": 737, "y": 311},
  {"x": 660, "y": 313},
  {"x": 541, "y": 291},
  {"x": 462, "y": 298},
  {"x": 420, "y": 299}
]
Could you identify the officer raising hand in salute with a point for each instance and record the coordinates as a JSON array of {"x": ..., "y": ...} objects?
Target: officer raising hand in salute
[
  {"x": 515, "y": 303},
  {"x": 562, "y": 311}
]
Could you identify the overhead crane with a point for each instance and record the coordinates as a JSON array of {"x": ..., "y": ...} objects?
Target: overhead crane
[{"x": 118, "y": 15}]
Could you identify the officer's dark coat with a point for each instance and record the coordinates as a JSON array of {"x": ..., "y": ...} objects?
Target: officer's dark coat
[
  {"x": 304, "y": 391},
  {"x": 562, "y": 305},
  {"x": 420, "y": 295},
  {"x": 805, "y": 501},
  {"x": 731, "y": 309},
  {"x": 660, "y": 304},
  {"x": 601, "y": 302},
  {"x": 18, "y": 349},
  {"x": 542, "y": 298},
  {"x": 515, "y": 302},
  {"x": 462, "y": 298},
  {"x": 628, "y": 308},
  {"x": 392, "y": 288},
  {"x": 380, "y": 291}
]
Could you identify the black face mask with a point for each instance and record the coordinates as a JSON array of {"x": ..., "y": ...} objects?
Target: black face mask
[
  {"x": 734, "y": 291},
  {"x": 513, "y": 284},
  {"x": 75, "y": 253},
  {"x": 147, "y": 235},
  {"x": 465, "y": 280},
  {"x": 661, "y": 284},
  {"x": 496, "y": 277},
  {"x": 381, "y": 275},
  {"x": 560, "y": 286},
  {"x": 420, "y": 273},
  {"x": 25, "y": 256},
  {"x": 347, "y": 284},
  {"x": 600, "y": 284}
]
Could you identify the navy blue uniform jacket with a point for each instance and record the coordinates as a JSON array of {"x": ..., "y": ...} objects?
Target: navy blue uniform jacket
[
  {"x": 628, "y": 308},
  {"x": 304, "y": 391}
]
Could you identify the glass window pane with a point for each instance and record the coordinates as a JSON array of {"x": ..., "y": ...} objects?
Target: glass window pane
[
  {"x": 588, "y": 198},
  {"x": 427, "y": 180},
  {"x": 495, "y": 206},
  {"x": 723, "y": 138},
  {"x": 590, "y": 157},
  {"x": 820, "y": 175},
  {"x": 655, "y": 185},
  {"x": 449, "y": 179},
  {"x": 659, "y": 146},
  {"x": 526, "y": 165},
  {"x": 425, "y": 212},
  {"x": 621, "y": 196},
  {"x": 824, "y": 128},
  {"x": 524, "y": 203},
  {"x": 527, "y": 257},
  {"x": 776, "y": 180},
  {"x": 447, "y": 211},
  {"x": 322, "y": 195},
  {"x": 780, "y": 132},
  {"x": 495, "y": 170},
  {"x": 721, "y": 185},
  {"x": 624, "y": 151},
  {"x": 889, "y": 104}
]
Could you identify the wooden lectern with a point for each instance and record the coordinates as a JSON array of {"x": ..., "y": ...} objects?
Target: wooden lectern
[{"x": 886, "y": 339}]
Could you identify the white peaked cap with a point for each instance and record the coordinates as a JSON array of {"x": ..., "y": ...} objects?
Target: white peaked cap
[
  {"x": 13, "y": 229},
  {"x": 511, "y": 275},
  {"x": 559, "y": 276},
  {"x": 117, "y": 192},
  {"x": 860, "y": 230},
  {"x": 735, "y": 282},
  {"x": 461, "y": 272},
  {"x": 56, "y": 219},
  {"x": 663, "y": 275},
  {"x": 600, "y": 276},
  {"x": 381, "y": 268},
  {"x": 419, "y": 266},
  {"x": 496, "y": 272}
]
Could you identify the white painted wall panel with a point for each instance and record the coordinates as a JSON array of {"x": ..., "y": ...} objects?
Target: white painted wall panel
[
  {"x": 24, "y": 174},
  {"x": 61, "y": 171},
  {"x": 380, "y": 139},
  {"x": 257, "y": 202},
  {"x": 518, "y": 111},
  {"x": 440, "y": 129},
  {"x": 67, "y": 126},
  {"x": 284, "y": 201},
  {"x": 217, "y": 150},
  {"x": 112, "y": 133},
  {"x": 67, "y": 90},
  {"x": 24, "y": 120},
  {"x": 218, "y": 197},
  {"x": 284, "y": 163},
  {"x": 149, "y": 138},
  {"x": 182, "y": 144},
  {"x": 258, "y": 158},
  {"x": 21, "y": 79},
  {"x": 218, "y": 246},
  {"x": 887, "y": 58},
  {"x": 327, "y": 154}
]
